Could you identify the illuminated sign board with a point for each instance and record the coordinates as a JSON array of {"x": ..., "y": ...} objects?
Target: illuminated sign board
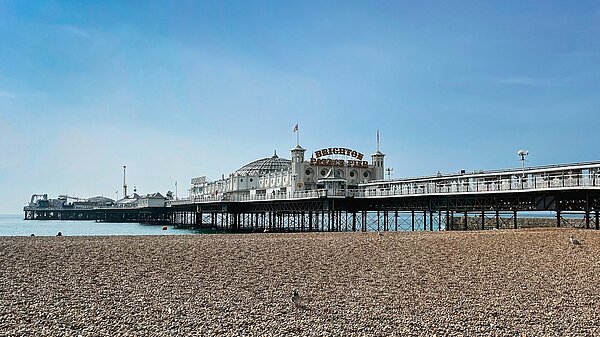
[{"x": 316, "y": 159}]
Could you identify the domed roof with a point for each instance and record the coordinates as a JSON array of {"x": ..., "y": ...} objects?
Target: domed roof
[{"x": 264, "y": 166}]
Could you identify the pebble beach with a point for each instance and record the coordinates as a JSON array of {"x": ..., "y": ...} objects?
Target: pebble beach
[{"x": 527, "y": 282}]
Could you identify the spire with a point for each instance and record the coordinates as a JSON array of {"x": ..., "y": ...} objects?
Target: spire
[
  {"x": 275, "y": 154},
  {"x": 378, "y": 152}
]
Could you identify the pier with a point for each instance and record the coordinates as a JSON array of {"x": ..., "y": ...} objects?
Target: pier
[{"x": 462, "y": 201}]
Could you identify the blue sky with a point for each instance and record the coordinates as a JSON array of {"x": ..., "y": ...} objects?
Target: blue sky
[{"x": 178, "y": 89}]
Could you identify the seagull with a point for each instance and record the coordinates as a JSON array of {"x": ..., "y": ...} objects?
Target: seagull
[
  {"x": 380, "y": 234},
  {"x": 574, "y": 241},
  {"x": 296, "y": 298}
]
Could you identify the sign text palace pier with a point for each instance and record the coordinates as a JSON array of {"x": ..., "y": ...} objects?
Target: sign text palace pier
[{"x": 338, "y": 190}]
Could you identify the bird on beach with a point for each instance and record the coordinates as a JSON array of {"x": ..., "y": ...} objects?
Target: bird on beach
[
  {"x": 574, "y": 241},
  {"x": 380, "y": 234},
  {"x": 296, "y": 298}
]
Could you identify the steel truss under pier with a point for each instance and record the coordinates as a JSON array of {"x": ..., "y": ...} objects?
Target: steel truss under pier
[
  {"x": 572, "y": 208},
  {"x": 153, "y": 215}
]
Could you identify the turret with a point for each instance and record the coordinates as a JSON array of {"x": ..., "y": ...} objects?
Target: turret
[
  {"x": 377, "y": 162},
  {"x": 378, "y": 165},
  {"x": 297, "y": 160}
]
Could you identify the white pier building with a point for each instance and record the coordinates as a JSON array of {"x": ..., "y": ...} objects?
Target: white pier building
[{"x": 331, "y": 169}]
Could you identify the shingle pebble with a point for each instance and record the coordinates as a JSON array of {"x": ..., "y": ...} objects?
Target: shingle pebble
[{"x": 481, "y": 283}]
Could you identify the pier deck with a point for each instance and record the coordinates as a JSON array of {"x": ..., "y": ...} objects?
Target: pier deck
[{"x": 441, "y": 202}]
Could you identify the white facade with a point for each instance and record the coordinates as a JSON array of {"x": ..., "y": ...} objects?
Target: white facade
[
  {"x": 137, "y": 201},
  {"x": 274, "y": 175}
]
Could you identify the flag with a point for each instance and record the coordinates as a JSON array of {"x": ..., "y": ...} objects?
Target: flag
[{"x": 296, "y": 128}]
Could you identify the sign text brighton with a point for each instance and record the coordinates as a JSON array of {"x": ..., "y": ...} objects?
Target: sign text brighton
[{"x": 338, "y": 162}]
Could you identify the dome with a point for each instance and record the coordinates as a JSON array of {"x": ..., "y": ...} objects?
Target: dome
[{"x": 264, "y": 166}]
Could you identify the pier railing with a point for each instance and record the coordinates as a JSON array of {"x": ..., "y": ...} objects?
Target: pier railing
[
  {"x": 458, "y": 184},
  {"x": 497, "y": 184}
]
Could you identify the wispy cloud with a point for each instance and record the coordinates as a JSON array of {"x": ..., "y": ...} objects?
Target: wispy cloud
[
  {"x": 78, "y": 31},
  {"x": 531, "y": 81},
  {"x": 7, "y": 94}
]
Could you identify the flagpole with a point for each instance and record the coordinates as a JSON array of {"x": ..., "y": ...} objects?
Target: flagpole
[{"x": 298, "y": 137}]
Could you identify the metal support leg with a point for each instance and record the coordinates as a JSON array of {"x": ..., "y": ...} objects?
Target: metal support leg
[
  {"x": 430, "y": 221},
  {"x": 587, "y": 212},
  {"x": 558, "y": 209},
  {"x": 482, "y": 220},
  {"x": 587, "y": 219},
  {"x": 497, "y": 219}
]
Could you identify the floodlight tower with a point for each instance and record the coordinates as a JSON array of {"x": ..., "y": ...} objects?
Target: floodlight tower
[{"x": 523, "y": 154}]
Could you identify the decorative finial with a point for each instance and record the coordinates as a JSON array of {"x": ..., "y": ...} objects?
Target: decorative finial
[{"x": 275, "y": 154}]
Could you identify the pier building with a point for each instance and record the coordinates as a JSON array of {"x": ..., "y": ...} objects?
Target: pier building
[
  {"x": 331, "y": 168},
  {"x": 341, "y": 189}
]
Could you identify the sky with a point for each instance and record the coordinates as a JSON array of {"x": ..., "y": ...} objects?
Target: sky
[{"x": 180, "y": 89}]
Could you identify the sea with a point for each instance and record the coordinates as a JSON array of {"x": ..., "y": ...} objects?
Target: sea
[{"x": 14, "y": 225}]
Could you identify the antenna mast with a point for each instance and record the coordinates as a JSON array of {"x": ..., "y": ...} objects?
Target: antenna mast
[{"x": 124, "y": 183}]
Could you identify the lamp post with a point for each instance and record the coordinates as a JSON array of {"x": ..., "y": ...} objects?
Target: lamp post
[
  {"x": 522, "y": 154},
  {"x": 389, "y": 172}
]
